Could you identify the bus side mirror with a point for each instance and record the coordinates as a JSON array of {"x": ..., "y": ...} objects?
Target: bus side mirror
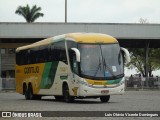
[
  {"x": 77, "y": 54},
  {"x": 126, "y": 55}
]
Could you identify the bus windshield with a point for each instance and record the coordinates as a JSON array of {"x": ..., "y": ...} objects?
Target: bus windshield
[{"x": 101, "y": 61}]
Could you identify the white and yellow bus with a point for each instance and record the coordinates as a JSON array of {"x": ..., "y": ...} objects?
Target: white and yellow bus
[{"x": 74, "y": 65}]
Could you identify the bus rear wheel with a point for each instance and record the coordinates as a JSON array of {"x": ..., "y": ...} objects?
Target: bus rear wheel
[
  {"x": 25, "y": 92},
  {"x": 66, "y": 94},
  {"x": 30, "y": 92},
  {"x": 37, "y": 97},
  {"x": 59, "y": 97},
  {"x": 105, "y": 98}
]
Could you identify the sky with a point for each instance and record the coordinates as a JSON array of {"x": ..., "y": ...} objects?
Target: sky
[
  {"x": 84, "y": 11},
  {"x": 87, "y": 11}
]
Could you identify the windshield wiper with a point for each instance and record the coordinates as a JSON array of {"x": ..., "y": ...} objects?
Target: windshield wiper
[
  {"x": 98, "y": 67},
  {"x": 108, "y": 68}
]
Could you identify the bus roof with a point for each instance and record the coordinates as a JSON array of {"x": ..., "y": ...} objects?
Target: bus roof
[
  {"x": 91, "y": 38},
  {"x": 77, "y": 37}
]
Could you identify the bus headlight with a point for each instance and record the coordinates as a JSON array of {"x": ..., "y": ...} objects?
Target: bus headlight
[{"x": 83, "y": 82}]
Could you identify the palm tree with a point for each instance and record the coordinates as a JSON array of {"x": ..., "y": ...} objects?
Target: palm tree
[{"x": 29, "y": 14}]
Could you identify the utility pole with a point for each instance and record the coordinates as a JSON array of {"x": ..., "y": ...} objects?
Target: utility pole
[
  {"x": 0, "y": 71},
  {"x": 65, "y": 11},
  {"x": 146, "y": 60},
  {"x": 0, "y": 63}
]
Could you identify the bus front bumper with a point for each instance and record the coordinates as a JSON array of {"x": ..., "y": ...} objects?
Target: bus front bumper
[{"x": 85, "y": 91}]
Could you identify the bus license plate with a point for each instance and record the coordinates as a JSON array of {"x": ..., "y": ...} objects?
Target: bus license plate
[{"x": 105, "y": 91}]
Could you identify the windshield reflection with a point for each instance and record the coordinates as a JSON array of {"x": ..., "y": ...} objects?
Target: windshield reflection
[{"x": 101, "y": 61}]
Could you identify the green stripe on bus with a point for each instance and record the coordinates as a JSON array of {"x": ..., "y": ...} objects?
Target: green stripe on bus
[
  {"x": 48, "y": 75},
  {"x": 114, "y": 81}
]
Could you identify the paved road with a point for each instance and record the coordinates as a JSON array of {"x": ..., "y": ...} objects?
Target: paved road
[{"x": 130, "y": 101}]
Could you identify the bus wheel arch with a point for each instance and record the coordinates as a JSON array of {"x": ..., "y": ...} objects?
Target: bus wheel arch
[
  {"x": 66, "y": 94},
  {"x": 24, "y": 88}
]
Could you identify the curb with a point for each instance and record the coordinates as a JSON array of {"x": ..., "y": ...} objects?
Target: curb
[{"x": 7, "y": 91}]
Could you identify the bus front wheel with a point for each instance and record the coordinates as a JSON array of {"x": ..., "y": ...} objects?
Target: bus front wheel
[
  {"x": 66, "y": 94},
  {"x": 105, "y": 98}
]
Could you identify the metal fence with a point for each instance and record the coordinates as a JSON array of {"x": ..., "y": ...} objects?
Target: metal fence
[
  {"x": 7, "y": 83},
  {"x": 7, "y": 61},
  {"x": 142, "y": 82},
  {"x": 131, "y": 82}
]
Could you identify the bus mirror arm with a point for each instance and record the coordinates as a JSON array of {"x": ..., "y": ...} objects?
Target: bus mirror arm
[
  {"x": 127, "y": 56},
  {"x": 77, "y": 54}
]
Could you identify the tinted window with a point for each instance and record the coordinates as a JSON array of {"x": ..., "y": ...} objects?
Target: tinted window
[
  {"x": 71, "y": 44},
  {"x": 48, "y": 53},
  {"x": 60, "y": 52}
]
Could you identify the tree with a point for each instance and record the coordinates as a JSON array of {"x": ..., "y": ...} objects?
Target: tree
[
  {"x": 154, "y": 60},
  {"x": 138, "y": 60},
  {"x": 143, "y": 21},
  {"x": 29, "y": 14}
]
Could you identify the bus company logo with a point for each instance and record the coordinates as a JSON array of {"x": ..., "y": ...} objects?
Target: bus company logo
[
  {"x": 6, "y": 114},
  {"x": 63, "y": 69},
  {"x": 28, "y": 70}
]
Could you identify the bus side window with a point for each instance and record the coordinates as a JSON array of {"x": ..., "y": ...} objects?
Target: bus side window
[
  {"x": 49, "y": 54},
  {"x": 73, "y": 62},
  {"x": 75, "y": 65},
  {"x": 40, "y": 55},
  {"x": 23, "y": 57},
  {"x": 18, "y": 58},
  {"x": 34, "y": 55},
  {"x": 43, "y": 54},
  {"x": 60, "y": 52},
  {"x": 72, "y": 56},
  {"x": 52, "y": 53},
  {"x": 29, "y": 57},
  {"x": 62, "y": 56}
]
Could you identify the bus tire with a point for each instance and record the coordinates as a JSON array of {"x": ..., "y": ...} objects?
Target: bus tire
[
  {"x": 105, "y": 98},
  {"x": 30, "y": 92},
  {"x": 66, "y": 94},
  {"x": 59, "y": 97},
  {"x": 37, "y": 97},
  {"x": 25, "y": 91}
]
